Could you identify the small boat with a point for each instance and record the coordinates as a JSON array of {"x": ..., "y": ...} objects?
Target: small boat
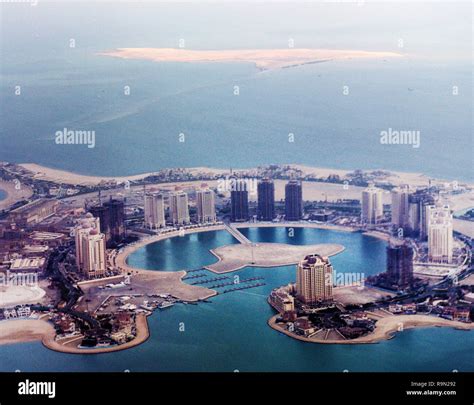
[{"x": 165, "y": 304}]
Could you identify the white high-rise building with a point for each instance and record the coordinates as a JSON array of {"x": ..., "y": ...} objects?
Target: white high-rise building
[
  {"x": 84, "y": 227},
  {"x": 400, "y": 207},
  {"x": 90, "y": 247},
  {"x": 94, "y": 256},
  {"x": 154, "y": 207},
  {"x": 205, "y": 203},
  {"x": 314, "y": 279},
  {"x": 440, "y": 234},
  {"x": 179, "y": 210},
  {"x": 371, "y": 205}
]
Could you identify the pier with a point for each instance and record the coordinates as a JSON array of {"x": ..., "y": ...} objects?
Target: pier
[
  {"x": 193, "y": 270},
  {"x": 244, "y": 287},
  {"x": 238, "y": 285},
  {"x": 210, "y": 280},
  {"x": 194, "y": 276}
]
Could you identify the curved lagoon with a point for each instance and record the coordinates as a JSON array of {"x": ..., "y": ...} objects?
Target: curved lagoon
[{"x": 231, "y": 333}]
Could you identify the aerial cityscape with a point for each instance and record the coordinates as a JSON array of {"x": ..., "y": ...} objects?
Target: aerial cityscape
[
  {"x": 248, "y": 196},
  {"x": 66, "y": 249}
]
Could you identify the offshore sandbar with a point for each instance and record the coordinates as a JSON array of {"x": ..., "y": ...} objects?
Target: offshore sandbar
[{"x": 262, "y": 58}]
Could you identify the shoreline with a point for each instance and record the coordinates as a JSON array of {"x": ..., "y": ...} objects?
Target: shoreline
[
  {"x": 378, "y": 235},
  {"x": 237, "y": 261},
  {"x": 122, "y": 257},
  {"x": 172, "y": 279},
  {"x": 329, "y": 227},
  {"x": 63, "y": 176},
  {"x": 386, "y": 328},
  {"x": 12, "y": 194},
  {"x": 25, "y": 330},
  {"x": 263, "y": 59},
  {"x": 143, "y": 333},
  {"x": 31, "y": 330}
]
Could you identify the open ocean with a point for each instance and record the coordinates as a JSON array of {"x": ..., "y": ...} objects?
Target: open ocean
[{"x": 74, "y": 88}]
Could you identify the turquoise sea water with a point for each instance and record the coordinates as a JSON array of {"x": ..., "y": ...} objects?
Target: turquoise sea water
[
  {"x": 231, "y": 332},
  {"x": 78, "y": 89}
]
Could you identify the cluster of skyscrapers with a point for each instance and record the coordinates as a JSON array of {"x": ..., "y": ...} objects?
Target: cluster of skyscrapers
[
  {"x": 418, "y": 215},
  {"x": 91, "y": 257},
  {"x": 266, "y": 201},
  {"x": 154, "y": 208},
  {"x": 371, "y": 205},
  {"x": 103, "y": 227},
  {"x": 410, "y": 211},
  {"x": 414, "y": 214}
]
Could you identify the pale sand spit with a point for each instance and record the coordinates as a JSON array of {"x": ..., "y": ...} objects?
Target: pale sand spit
[{"x": 262, "y": 58}]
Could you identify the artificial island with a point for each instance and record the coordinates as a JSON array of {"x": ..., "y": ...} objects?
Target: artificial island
[{"x": 65, "y": 240}]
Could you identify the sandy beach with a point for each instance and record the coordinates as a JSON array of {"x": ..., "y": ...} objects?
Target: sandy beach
[
  {"x": 262, "y": 58},
  {"x": 13, "y": 195},
  {"x": 25, "y": 330},
  {"x": 11, "y": 295},
  {"x": 385, "y": 329},
  {"x": 394, "y": 177},
  {"x": 235, "y": 257},
  {"x": 65, "y": 177}
]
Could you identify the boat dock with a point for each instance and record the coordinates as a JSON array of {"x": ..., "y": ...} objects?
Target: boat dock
[
  {"x": 210, "y": 280},
  {"x": 245, "y": 287},
  {"x": 193, "y": 277}
]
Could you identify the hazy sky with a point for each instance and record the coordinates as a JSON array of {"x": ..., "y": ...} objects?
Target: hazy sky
[{"x": 441, "y": 30}]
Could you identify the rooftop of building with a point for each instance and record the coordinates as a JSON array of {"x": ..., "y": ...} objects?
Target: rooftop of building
[
  {"x": 33, "y": 204},
  {"x": 27, "y": 263},
  {"x": 314, "y": 259}
]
